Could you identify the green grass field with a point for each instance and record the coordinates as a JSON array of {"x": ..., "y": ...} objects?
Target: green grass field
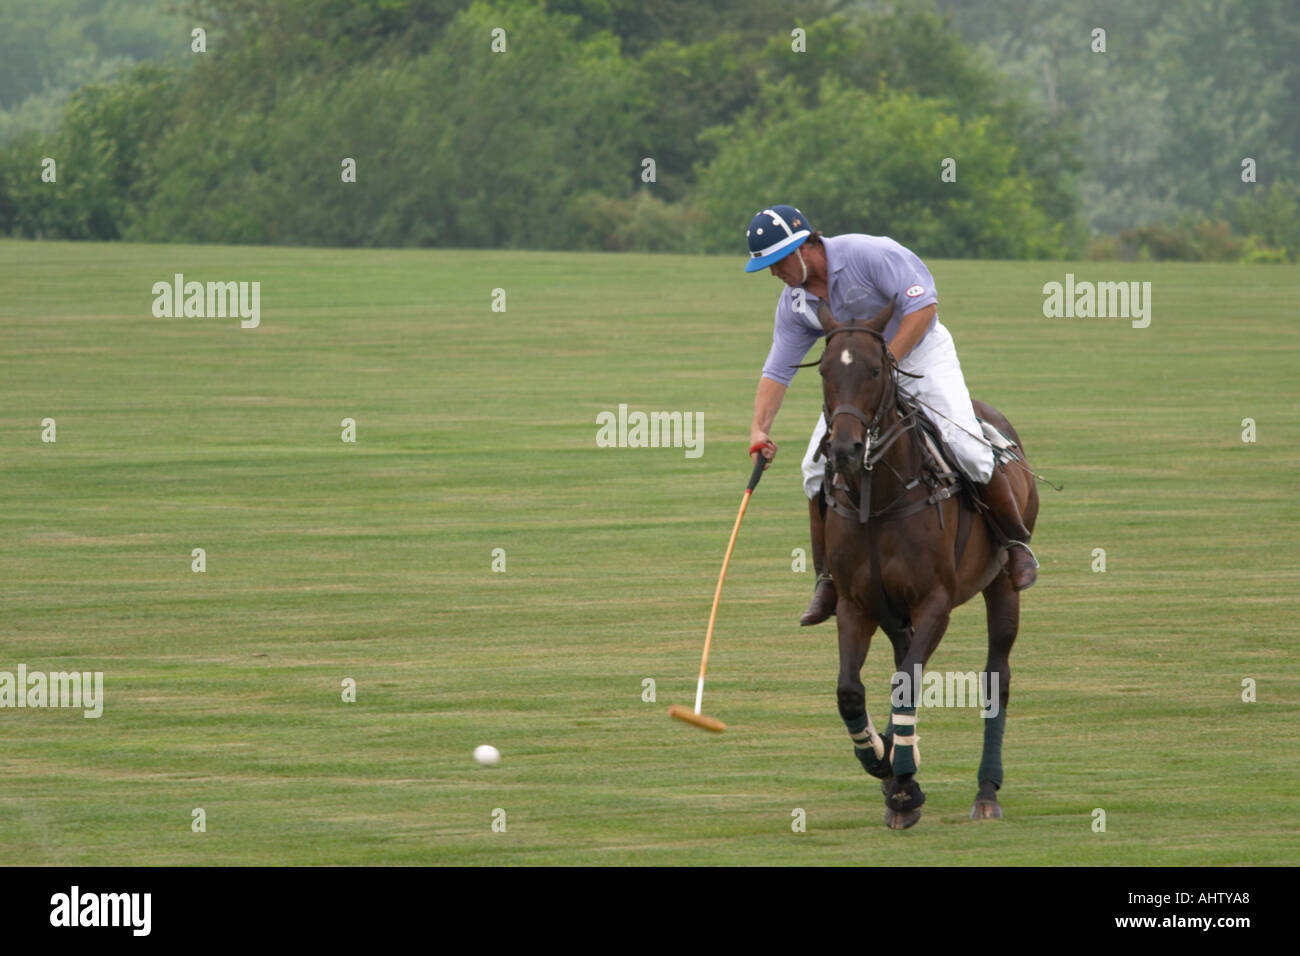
[{"x": 475, "y": 431}]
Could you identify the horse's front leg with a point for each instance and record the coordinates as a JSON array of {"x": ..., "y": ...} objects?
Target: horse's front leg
[
  {"x": 855, "y": 630},
  {"x": 904, "y": 797}
]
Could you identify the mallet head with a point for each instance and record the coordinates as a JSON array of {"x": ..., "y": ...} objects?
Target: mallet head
[{"x": 699, "y": 720}]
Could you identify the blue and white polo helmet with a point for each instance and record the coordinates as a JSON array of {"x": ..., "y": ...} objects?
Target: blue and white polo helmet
[{"x": 775, "y": 233}]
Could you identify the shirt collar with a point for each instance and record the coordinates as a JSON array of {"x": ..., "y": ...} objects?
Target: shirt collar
[
  {"x": 834, "y": 265},
  {"x": 833, "y": 262}
]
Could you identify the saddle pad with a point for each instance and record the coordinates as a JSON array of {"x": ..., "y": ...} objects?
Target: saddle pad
[
  {"x": 1002, "y": 445},
  {"x": 941, "y": 464},
  {"x": 1003, "y": 448}
]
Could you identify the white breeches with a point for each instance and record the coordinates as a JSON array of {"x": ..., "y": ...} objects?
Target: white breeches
[{"x": 943, "y": 389}]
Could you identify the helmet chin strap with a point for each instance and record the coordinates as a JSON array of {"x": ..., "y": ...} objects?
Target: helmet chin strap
[{"x": 799, "y": 253}]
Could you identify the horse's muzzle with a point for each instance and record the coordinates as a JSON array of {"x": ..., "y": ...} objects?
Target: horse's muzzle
[{"x": 847, "y": 457}]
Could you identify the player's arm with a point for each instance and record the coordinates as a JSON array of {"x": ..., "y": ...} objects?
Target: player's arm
[
  {"x": 903, "y": 275},
  {"x": 792, "y": 337},
  {"x": 910, "y": 330},
  {"x": 767, "y": 402}
]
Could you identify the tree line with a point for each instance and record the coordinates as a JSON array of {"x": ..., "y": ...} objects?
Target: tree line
[{"x": 576, "y": 124}]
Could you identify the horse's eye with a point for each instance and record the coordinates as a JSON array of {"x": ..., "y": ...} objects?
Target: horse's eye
[{"x": 875, "y": 372}]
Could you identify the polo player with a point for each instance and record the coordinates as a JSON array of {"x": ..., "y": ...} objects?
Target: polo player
[{"x": 857, "y": 276}]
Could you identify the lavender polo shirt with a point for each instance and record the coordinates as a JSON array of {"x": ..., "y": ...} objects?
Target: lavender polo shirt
[{"x": 863, "y": 274}]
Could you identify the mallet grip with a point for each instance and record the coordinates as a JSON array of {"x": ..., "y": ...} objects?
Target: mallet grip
[{"x": 759, "y": 464}]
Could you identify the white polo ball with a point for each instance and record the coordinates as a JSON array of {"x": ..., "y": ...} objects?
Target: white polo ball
[{"x": 487, "y": 755}]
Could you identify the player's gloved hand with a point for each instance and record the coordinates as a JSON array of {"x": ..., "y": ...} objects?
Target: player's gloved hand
[{"x": 764, "y": 446}]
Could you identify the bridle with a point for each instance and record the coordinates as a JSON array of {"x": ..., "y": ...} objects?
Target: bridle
[
  {"x": 875, "y": 444},
  {"x": 872, "y": 424}
]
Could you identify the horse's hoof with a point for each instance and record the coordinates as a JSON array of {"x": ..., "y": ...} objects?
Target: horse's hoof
[
  {"x": 903, "y": 798},
  {"x": 902, "y": 803},
  {"x": 986, "y": 810},
  {"x": 901, "y": 821}
]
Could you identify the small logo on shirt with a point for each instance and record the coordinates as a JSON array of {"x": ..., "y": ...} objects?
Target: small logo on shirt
[{"x": 914, "y": 291}]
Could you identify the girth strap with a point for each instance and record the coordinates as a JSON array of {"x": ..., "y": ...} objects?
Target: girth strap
[
  {"x": 963, "y": 533},
  {"x": 965, "y": 514},
  {"x": 889, "y": 513}
]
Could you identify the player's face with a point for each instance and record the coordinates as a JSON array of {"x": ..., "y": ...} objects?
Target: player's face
[{"x": 788, "y": 270}]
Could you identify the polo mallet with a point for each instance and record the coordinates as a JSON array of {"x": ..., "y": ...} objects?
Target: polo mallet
[{"x": 676, "y": 710}]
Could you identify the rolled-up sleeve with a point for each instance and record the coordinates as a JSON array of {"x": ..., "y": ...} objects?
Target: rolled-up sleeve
[
  {"x": 900, "y": 273},
  {"x": 792, "y": 338}
]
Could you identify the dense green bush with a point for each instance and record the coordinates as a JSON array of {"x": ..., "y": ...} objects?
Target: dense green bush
[
  {"x": 104, "y": 161},
  {"x": 643, "y": 223},
  {"x": 1271, "y": 217},
  {"x": 457, "y": 147},
  {"x": 1260, "y": 237},
  {"x": 857, "y": 162}
]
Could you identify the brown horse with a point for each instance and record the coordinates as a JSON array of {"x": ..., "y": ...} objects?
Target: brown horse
[{"x": 903, "y": 555}]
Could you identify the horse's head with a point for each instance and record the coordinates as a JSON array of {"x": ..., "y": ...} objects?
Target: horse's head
[{"x": 858, "y": 384}]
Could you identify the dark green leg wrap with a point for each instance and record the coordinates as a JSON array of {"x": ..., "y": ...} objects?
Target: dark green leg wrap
[
  {"x": 991, "y": 762},
  {"x": 903, "y": 722}
]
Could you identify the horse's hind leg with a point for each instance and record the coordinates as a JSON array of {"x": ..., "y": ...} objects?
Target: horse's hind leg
[{"x": 1002, "y": 605}]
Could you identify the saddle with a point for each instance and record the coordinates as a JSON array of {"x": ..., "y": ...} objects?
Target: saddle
[
  {"x": 943, "y": 479},
  {"x": 937, "y": 457}
]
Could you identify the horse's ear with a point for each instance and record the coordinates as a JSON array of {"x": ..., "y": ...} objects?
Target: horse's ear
[
  {"x": 824, "y": 316},
  {"x": 882, "y": 317}
]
